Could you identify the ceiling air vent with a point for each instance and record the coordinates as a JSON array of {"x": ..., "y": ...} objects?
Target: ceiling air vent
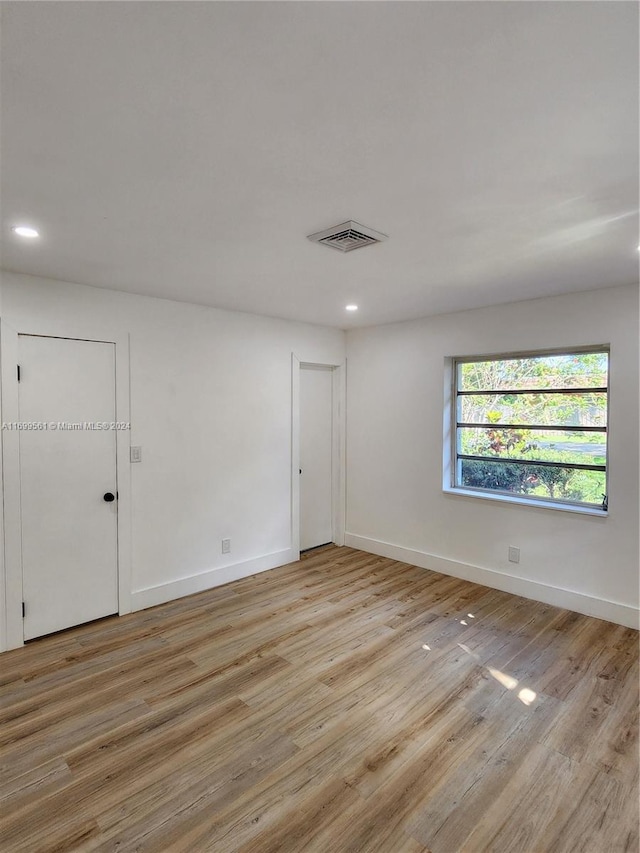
[{"x": 348, "y": 236}]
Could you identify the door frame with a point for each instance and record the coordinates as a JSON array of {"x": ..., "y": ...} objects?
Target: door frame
[
  {"x": 338, "y": 455},
  {"x": 12, "y": 634}
]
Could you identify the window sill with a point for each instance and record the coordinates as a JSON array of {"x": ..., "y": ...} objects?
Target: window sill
[{"x": 521, "y": 501}]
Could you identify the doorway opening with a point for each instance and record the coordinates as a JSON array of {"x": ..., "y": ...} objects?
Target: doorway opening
[
  {"x": 68, "y": 482},
  {"x": 317, "y": 456}
]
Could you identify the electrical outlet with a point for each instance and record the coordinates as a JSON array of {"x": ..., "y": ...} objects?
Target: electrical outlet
[
  {"x": 135, "y": 454},
  {"x": 226, "y": 546},
  {"x": 514, "y": 554}
]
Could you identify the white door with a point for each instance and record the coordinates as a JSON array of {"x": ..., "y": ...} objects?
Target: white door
[
  {"x": 316, "y": 417},
  {"x": 67, "y": 474}
]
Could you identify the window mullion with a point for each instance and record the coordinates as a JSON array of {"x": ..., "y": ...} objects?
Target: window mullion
[{"x": 540, "y": 427}]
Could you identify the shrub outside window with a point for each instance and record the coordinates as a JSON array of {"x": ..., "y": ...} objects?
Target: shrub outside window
[{"x": 533, "y": 425}]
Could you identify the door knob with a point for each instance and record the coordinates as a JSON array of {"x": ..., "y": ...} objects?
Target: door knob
[{"x": 108, "y": 497}]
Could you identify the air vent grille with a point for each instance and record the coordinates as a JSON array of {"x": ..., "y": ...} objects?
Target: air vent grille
[
  {"x": 348, "y": 236},
  {"x": 348, "y": 239}
]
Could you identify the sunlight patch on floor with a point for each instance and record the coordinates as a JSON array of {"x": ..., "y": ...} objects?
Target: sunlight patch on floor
[
  {"x": 525, "y": 695},
  {"x": 506, "y": 680}
]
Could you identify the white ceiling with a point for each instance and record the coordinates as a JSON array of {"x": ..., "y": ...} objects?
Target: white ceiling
[{"x": 185, "y": 150}]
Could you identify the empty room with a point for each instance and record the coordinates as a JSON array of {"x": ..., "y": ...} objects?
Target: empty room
[{"x": 319, "y": 392}]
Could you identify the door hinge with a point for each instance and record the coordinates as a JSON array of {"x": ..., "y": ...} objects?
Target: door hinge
[
  {"x": 18, "y": 366},
  {"x": 24, "y": 609}
]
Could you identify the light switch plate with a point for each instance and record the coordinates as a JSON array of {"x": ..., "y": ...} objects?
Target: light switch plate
[{"x": 135, "y": 454}]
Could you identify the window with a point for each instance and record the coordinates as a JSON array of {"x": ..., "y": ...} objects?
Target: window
[{"x": 533, "y": 426}]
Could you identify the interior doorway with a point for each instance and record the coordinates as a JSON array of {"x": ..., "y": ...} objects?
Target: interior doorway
[
  {"x": 68, "y": 482},
  {"x": 316, "y": 456}
]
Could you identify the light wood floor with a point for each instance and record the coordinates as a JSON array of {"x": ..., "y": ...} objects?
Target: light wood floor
[{"x": 343, "y": 703}]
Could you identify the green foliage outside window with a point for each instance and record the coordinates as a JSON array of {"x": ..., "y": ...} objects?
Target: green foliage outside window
[{"x": 507, "y": 421}]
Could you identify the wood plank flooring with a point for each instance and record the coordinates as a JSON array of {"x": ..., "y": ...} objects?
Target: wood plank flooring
[{"x": 343, "y": 703}]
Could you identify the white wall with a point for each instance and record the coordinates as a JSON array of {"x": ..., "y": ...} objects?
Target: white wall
[
  {"x": 3, "y": 633},
  {"x": 395, "y": 502},
  {"x": 211, "y": 408}
]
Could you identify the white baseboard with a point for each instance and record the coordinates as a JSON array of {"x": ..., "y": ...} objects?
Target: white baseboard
[
  {"x": 149, "y": 597},
  {"x": 611, "y": 611}
]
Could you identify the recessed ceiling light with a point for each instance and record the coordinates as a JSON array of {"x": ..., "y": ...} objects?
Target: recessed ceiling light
[
  {"x": 351, "y": 307},
  {"x": 25, "y": 231}
]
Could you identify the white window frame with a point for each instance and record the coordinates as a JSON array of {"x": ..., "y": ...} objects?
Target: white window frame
[{"x": 452, "y": 459}]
